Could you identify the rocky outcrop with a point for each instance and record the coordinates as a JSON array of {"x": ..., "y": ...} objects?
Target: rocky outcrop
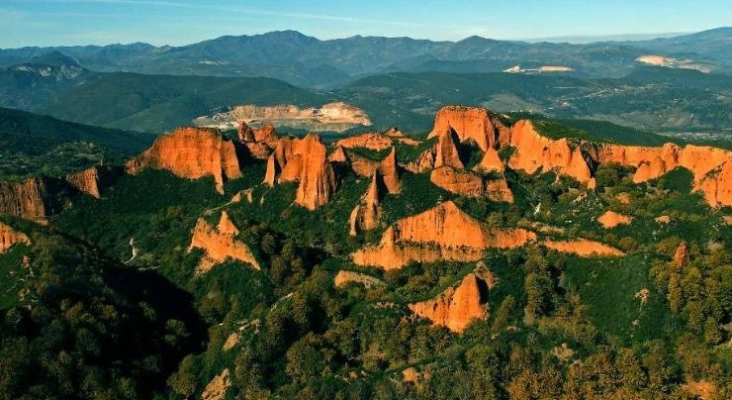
[
  {"x": 343, "y": 278},
  {"x": 372, "y": 141},
  {"x": 259, "y": 142},
  {"x": 470, "y": 184},
  {"x": 490, "y": 162},
  {"x": 457, "y": 306},
  {"x": 447, "y": 154},
  {"x": 535, "y": 152},
  {"x": 303, "y": 160},
  {"x": 583, "y": 248},
  {"x": 92, "y": 181},
  {"x": 442, "y": 233},
  {"x": 611, "y": 219},
  {"x": 400, "y": 137},
  {"x": 681, "y": 257},
  {"x": 217, "y": 388},
  {"x": 497, "y": 190},
  {"x": 458, "y": 181},
  {"x": 367, "y": 214},
  {"x": 471, "y": 124},
  {"x": 388, "y": 172},
  {"x": 220, "y": 244},
  {"x": 9, "y": 237},
  {"x": 191, "y": 153},
  {"x": 24, "y": 199}
]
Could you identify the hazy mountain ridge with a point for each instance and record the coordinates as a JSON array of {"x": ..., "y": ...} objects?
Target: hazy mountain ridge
[{"x": 308, "y": 61}]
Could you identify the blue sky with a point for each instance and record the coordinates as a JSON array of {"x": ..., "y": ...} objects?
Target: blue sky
[{"x": 177, "y": 22}]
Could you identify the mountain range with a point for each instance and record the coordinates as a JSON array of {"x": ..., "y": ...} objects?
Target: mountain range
[{"x": 307, "y": 61}]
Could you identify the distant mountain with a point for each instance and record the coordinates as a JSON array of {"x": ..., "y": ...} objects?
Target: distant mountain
[
  {"x": 306, "y": 61},
  {"x": 157, "y": 103},
  {"x": 715, "y": 44}
]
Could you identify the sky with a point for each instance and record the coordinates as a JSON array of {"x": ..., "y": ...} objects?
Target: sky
[{"x": 179, "y": 22}]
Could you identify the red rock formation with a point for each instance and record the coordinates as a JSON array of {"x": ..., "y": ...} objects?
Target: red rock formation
[
  {"x": 361, "y": 165},
  {"x": 267, "y": 135},
  {"x": 191, "y": 153},
  {"x": 498, "y": 190},
  {"x": 471, "y": 184},
  {"x": 24, "y": 199},
  {"x": 220, "y": 244},
  {"x": 9, "y": 237},
  {"x": 458, "y": 181},
  {"x": 442, "y": 233},
  {"x": 534, "y": 152},
  {"x": 338, "y": 156},
  {"x": 457, "y": 306},
  {"x": 611, "y": 219},
  {"x": 397, "y": 135},
  {"x": 303, "y": 160},
  {"x": 388, "y": 172},
  {"x": 245, "y": 132},
  {"x": 217, "y": 388},
  {"x": 367, "y": 214},
  {"x": 424, "y": 162},
  {"x": 469, "y": 123},
  {"x": 447, "y": 152},
  {"x": 86, "y": 181},
  {"x": 372, "y": 141},
  {"x": 681, "y": 257},
  {"x": 583, "y": 248},
  {"x": 490, "y": 162}
]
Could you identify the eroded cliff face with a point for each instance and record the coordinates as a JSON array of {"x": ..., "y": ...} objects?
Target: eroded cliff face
[
  {"x": 259, "y": 142},
  {"x": 9, "y": 237},
  {"x": 372, "y": 141},
  {"x": 91, "y": 180},
  {"x": 583, "y": 248},
  {"x": 191, "y": 153},
  {"x": 473, "y": 124},
  {"x": 343, "y": 278},
  {"x": 24, "y": 199},
  {"x": 442, "y": 233},
  {"x": 367, "y": 214},
  {"x": 471, "y": 184},
  {"x": 456, "y": 307},
  {"x": 534, "y": 152},
  {"x": 220, "y": 244},
  {"x": 490, "y": 162},
  {"x": 305, "y": 161},
  {"x": 458, "y": 181}
]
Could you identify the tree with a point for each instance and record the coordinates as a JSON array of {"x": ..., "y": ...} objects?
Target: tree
[
  {"x": 183, "y": 382},
  {"x": 502, "y": 314}
]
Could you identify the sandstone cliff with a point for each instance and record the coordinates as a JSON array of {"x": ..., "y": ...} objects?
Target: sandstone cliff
[
  {"x": 457, "y": 306},
  {"x": 372, "y": 141},
  {"x": 473, "y": 124},
  {"x": 220, "y": 244},
  {"x": 470, "y": 184},
  {"x": 534, "y": 152},
  {"x": 191, "y": 153},
  {"x": 490, "y": 162},
  {"x": 9, "y": 237},
  {"x": 303, "y": 160},
  {"x": 442, "y": 233},
  {"x": 458, "y": 181},
  {"x": 367, "y": 214},
  {"x": 86, "y": 181},
  {"x": 24, "y": 199}
]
